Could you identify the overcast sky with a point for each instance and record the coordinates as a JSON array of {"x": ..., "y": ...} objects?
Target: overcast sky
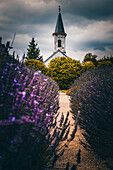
[{"x": 88, "y": 24}]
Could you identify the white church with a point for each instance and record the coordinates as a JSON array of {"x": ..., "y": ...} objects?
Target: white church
[{"x": 59, "y": 40}]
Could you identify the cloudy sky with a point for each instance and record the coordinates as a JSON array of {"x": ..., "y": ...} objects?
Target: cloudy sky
[{"x": 88, "y": 24}]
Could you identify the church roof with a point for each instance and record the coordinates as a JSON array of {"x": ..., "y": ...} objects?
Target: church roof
[
  {"x": 59, "y": 26},
  {"x": 63, "y": 54}
]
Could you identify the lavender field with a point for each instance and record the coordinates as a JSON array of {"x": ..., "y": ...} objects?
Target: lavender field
[{"x": 33, "y": 134}]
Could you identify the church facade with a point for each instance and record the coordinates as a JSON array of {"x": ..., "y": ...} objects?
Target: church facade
[{"x": 59, "y": 40}]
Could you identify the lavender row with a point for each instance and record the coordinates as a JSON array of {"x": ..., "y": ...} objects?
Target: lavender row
[
  {"x": 92, "y": 94},
  {"x": 29, "y": 130},
  {"x": 28, "y": 104}
]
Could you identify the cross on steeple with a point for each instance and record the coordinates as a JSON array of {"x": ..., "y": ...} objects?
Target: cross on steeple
[{"x": 59, "y": 9}]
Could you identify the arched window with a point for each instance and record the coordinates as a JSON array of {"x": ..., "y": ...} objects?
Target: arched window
[{"x": 59, "y": 43}]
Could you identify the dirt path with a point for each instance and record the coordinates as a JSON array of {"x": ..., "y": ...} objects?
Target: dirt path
[{"x": 89, "y": 161}]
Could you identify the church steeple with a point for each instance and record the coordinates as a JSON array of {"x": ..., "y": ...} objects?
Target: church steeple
[
  {"x": 59, "y": 26},
  {"x": 59, "y": 34}
]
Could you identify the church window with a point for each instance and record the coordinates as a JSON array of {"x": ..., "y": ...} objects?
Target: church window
[{"x": 59, "y": 43}]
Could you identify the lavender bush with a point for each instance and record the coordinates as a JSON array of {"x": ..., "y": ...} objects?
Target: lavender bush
[
  {"x": 92, "y": 94},
  {"x": 29, "y": 131},
  {"x": 27, "y": 102}
]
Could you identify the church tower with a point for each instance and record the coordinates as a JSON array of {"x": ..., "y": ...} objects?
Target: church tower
[
  {"x": 59, "y": 40},
  {"x": 59, "y": 34}
]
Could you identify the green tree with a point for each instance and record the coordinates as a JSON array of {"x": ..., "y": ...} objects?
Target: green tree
[
  {"x": 64, "y": 71},
  {"x": 90, "y": 57},
  {"x": 33, "y": 52}
]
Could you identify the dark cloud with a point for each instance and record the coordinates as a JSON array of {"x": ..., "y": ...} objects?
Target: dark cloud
[
  {"x": 91, "y": 9},
  {"x": 27, "y": 12},
  {"x": 88, "y": 23},
  {"x": 100, "y": 48},
  {"x": 26, "y": 18},
  {"x": 100, "y": 45}
]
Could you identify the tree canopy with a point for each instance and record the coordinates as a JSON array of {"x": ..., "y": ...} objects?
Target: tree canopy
[
  {"x": 33, "y": 52},
  {"x": 90, "y": 57},
  {"x": 64, "y": 71}
]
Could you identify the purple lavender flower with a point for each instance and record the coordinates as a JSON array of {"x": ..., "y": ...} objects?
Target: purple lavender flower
[
  {"x": 45, "y": 79},
  {"x": 52, "y": 144},
  {"x": 23, "y": 94},
  {"x": 11, "y": 64},
  {"x": 12, "y": 119},
  {"x": 36, "y": 73},
  {"x": 47, "y": 115},
  {"x": 19, "y": 92},
  {"x": 35, "y": 102},
  {"x": 15, "y": 80},
  {"x": 32, "y": 95}
]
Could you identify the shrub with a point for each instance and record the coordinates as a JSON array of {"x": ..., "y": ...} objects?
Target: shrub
[
  {"x": 36, "y": 65},
  {"x": 88, "y": 66},
  {"x": 64, "y": 71},
  {"x": 104, "y": 63},
  {"x": 92, "y": 94},
  {"x": 110, "y": 58}
]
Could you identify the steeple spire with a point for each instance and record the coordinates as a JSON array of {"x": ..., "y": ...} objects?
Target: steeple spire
[{"x": 59, "y": 26}]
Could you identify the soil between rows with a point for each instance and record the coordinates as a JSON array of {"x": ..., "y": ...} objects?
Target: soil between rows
[{"x": 88, "y": 159}]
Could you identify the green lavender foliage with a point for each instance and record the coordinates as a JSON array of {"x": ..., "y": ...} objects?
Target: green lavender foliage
[{"x": 92, "y": 94}]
